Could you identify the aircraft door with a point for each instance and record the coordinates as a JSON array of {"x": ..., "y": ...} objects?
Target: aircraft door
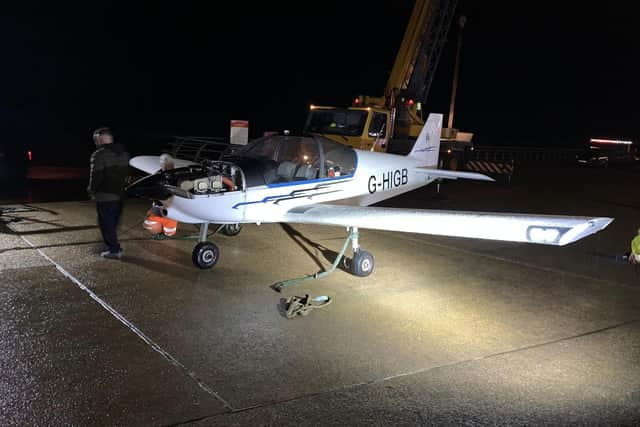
[{"x": 236, "y": 177}]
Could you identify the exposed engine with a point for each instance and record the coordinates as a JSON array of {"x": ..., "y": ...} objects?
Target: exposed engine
[{"x": 213, "y": 177}]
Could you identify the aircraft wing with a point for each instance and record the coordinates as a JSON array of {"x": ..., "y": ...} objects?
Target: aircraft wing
[
  {"x": 542, "y": 229},
  {"x": 447, "y": 174}
]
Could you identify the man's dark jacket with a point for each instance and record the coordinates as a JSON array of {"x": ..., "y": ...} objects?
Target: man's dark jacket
[{"x": 109, "y": 170}]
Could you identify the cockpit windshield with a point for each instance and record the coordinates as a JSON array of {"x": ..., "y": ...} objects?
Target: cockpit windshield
[{"x": 284, "y": 159}]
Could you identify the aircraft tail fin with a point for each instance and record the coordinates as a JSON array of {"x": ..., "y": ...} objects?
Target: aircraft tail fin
[{"x": 427, "y": 146}]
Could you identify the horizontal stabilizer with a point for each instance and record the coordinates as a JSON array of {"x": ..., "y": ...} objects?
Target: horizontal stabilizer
[{"x": 542, "y": 229}]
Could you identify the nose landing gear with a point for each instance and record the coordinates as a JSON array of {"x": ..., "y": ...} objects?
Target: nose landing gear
[{"x": 205, "y": 254}]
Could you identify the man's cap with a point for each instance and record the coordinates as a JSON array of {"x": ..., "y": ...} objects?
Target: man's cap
[{"x": 102, "y": 131}]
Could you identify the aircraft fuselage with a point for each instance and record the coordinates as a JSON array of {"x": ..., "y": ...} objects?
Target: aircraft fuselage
[{"x": 377, "y": 177}]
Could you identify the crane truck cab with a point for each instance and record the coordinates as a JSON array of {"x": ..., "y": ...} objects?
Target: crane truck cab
[
  {"x": 364, "y": 128},
  {"x": 382, "y": 129}
]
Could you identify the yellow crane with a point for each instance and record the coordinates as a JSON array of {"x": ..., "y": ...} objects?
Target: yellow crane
[{"x": 395, "y": 118}]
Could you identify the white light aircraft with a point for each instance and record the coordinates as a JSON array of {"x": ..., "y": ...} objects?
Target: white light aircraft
[{"x": 313, "y": 180}]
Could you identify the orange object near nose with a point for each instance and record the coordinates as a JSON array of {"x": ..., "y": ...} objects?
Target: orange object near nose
[{"x": 158, "y": 224}]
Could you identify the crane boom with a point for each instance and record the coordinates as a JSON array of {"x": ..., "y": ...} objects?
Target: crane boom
[
  {"x": 408, "y": 51},
  {"x": 394, "y": 119},
  {"x": 420, "y": 50}
]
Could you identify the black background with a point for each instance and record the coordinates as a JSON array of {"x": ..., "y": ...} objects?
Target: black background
[{"x": 533, "y": 73}]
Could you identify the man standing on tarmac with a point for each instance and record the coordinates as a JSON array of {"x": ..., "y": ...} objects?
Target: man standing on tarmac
[{"x": 109, "y": 169}]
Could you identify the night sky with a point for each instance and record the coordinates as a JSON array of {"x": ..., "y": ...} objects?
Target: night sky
[{"x": 535, "y": 73}]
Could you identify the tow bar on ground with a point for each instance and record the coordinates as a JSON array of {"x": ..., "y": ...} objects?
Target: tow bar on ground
[{"x": 302, "y": 306}]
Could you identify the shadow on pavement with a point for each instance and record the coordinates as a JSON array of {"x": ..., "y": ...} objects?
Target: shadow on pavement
[{"x": 304, "y": 243}]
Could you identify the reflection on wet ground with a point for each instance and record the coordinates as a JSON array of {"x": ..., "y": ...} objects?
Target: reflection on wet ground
[{"x": 445, "y": 331}]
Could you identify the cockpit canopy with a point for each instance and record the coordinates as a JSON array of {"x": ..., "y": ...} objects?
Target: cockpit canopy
[
  {"x": 270, "y": 160},
  {"x": 283, "y": 159}
]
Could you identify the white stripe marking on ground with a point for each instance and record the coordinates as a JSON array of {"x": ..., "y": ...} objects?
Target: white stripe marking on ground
[{"x": 133, "y": 328}]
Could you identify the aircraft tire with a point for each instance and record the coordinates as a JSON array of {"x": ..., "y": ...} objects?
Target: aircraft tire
[
  {"x": 362, "y": 264},
  {"x": 232, "y": 229},
  {"x": 205, "y": 255}
]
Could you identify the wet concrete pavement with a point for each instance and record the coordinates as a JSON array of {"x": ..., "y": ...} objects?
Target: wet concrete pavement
[{"x": 445, "y": 331}]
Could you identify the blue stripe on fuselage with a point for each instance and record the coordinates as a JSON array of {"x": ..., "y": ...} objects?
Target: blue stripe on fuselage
[
  {"x": 336, "y": 179},
  {"x": 293, "y": 193}
]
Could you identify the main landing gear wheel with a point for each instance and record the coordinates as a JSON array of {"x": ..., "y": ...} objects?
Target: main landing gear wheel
[
  {"x": 205, "y": 255},
  {"x": 362, "y": 264},
  {"x": 231, "y": 229}
]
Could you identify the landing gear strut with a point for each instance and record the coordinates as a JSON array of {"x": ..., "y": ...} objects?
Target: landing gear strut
[
  {"x": 205, "y": 254},
  {"x": 361, "y": 264},
  {"x": 362, "y": 261}
]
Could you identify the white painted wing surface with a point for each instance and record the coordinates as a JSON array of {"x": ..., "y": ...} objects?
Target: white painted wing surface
[{"x": 543, "y": 229}]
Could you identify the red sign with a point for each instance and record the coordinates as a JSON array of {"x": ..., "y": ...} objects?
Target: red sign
[{"x": 239, "y": 123}]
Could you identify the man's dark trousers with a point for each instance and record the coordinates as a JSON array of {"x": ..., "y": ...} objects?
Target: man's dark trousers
[{"x": 108, "y": 218}]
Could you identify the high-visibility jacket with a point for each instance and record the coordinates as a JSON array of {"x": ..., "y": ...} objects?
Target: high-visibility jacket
[
  {"x": 159, "y": 224},
  {"x": 635, "y": 245}
]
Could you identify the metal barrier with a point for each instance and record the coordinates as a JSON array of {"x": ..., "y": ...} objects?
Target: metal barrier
[
  {"x": 198, "y": 148},
  {"x": 498, "y": 168},
  {"x": 523, "y": 154}
]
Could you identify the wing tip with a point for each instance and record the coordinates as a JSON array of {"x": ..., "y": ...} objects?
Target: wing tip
[{"x": 591, "y": 226}]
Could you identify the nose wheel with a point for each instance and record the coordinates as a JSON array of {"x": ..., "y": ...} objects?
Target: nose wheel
[{"x": 205, "y": 254}]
